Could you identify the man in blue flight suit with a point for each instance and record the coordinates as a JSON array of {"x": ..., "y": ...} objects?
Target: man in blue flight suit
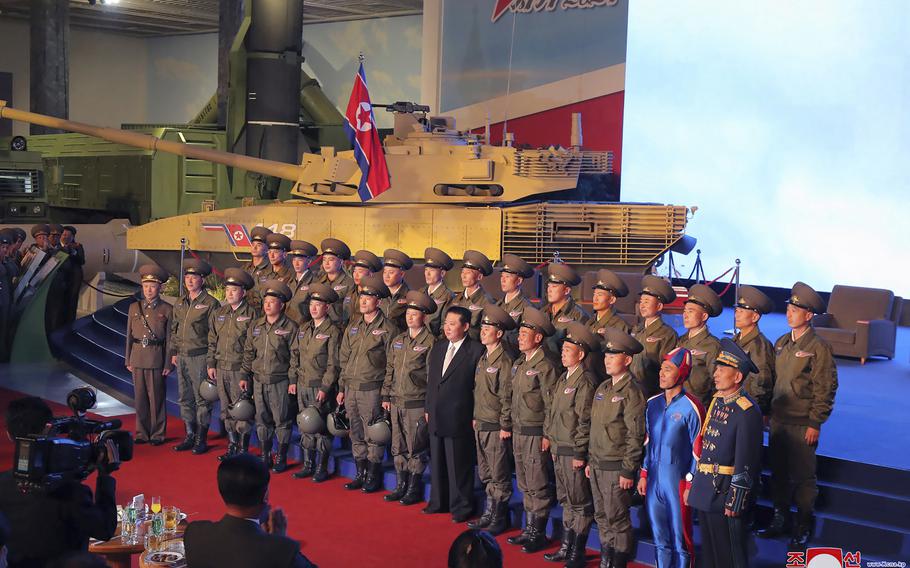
[
  {"x": 673, "y": 424},
  {"x": 729, "y": 464}
]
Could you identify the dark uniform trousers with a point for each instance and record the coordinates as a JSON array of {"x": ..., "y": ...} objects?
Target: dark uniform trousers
[
  {"x": 611, "y": 509},
  {"x": 532, "y": 474},
  {"x": 146, "y": 352},
  {"x": 410, "y": 439},
  {"x": 493, "y": 465},
  {"x": 574, "y": 493},
  {"x": 273, "y": 411},
  {"x": 229, "y": 393},
  {"x": 191, "y": 371},
  {"x": 723, "y": 540},
  {"x": 457, "y": 494},
  {"x": 306, "y": 397},
  {"x": 792, "y": 467},
  {"x": 151, "y": 417},
  {"x": 362, "y": 407}
]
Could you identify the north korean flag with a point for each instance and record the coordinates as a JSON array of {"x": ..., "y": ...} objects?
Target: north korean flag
[{"x": 360, "y": 126}]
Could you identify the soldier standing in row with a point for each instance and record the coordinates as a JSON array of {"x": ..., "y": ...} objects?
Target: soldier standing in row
[
  {"x": 655, "y": 336},
  {"x": 512, "y": 275},
  {"x": 561, "y": 306},
  {"x": 804, "y": 390},
  {"x": 751, "y": 305},
  {"x": 394, "y": 266},
  {"x": 607, "y": 289},
  {"x": 729, "y": 463},
  {"x": 301, "y": 255},
  {"x": 334, "y": 254},
  {"x": 404, "y": 394},
  {"x": 437, "y": 264},
  {"x": 227, "y": 341},
  {"x": 616, "y": 447},
  {"x": 313, "y": 377},
  {"x": 702, "y": 303},
  {"x": 363, "y": 368},
  {"x": 533, "y": 378},
  {"x": 148, "y": 322},
  {"x": 493, "y": 420},
  {"x": 266, "y": 361},
  {"x": 189, "y": 348},
  {"x": 568, "y": 428},
  {"x": 365, "y": 264},
  {"x": 474, "y": 298},
  {"x": 279, "y": 268},
  {"x": 258, "y": 265}
]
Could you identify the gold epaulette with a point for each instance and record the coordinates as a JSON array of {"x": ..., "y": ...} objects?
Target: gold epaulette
[{"x": 744, "y": 403}]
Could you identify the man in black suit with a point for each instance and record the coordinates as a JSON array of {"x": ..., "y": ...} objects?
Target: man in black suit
[
  {"x": 450, "y": 408},
  {"x": 240, "y": 539},
  {"x": 51, "y": 522}
]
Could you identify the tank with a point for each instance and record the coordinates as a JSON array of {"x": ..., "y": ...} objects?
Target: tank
[{"x": 450, "y": 190}]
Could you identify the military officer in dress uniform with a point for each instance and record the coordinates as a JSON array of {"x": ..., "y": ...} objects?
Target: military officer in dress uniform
[
  {"x": 616, "y": 446},
  {"x": 475, "y": 266},
  {"x": 224, "y": 361},
  {"x": 334, "y": 255},
  {"x": 493, "y": 421},
  {"x": 568, "y": 428},
  {"x": 279, "y": 267},
  {"x": 729, "y": 462},
  {"x": 656, "y": 337},
  {"x": 513, "y": 272},
  {"x": 363, "y": 358},
  {"x": 533, "y": 378},
  {"x": 301, "y": 254},
  {"x": 404, "y": 394},
  {"x": 437, "y": 264},
  {"x": 266, "y": 363},
  {"x": 804, "y": 389},
  {"x": 148, "y": 322},
  {"x": 751, "y": 305},
  {"x": 365, "y": 264},
  {"x": 607, "y": 289},
  {"x": 702, "y": 303},
  {"x": 258, "y": 266},
  {"x": 39, "y": 234},
  {"x": 561, "y": 306},
  {"x": 189, "y": 348},
  {"x": 394, "y": 266},
  {"x": 314, "y": 376}
]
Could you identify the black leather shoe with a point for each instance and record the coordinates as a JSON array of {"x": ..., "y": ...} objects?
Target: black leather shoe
[
  {"x": 432, "y": 510},
  {"x": 357, "y": 482},
  {"x": 156, "y": 442},
  {"x": 565, "y": 546},
  {"x": 373, "y": 481},
  {"x": 308, "y": 466},
  {"x": 201, "y": 446},
  {"x": 777, "y": 526},
  {"x": 487, "y": 516},
  {"x": 578, "y": 553},
  {"x": 401, "y": 487},
  {"x": 321, "y": 473},
  {"x": 499, "y": 523},
  {"x": 801, "y": 538},
  {"x": 281, "y": 462},
  {"x": 523, "y": 537},
  {"x": 537, "y": 536},
  {"x": 414, "y": 494},
  {"x": 187, "y": 443}
]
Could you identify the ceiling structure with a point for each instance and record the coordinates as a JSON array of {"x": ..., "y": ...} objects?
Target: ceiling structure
[{"x": 151, "y": 18}]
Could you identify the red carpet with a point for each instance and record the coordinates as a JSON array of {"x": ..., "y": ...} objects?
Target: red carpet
[{"x": 335, "y": 527}]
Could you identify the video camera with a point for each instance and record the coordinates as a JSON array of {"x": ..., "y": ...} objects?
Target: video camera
[{"x": 73, "y": 447}]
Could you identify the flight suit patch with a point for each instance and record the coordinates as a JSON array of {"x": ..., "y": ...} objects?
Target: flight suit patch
[
  {"x": 321, "y": 336},
  {"x": 492, "y": 369},
  {"x": 652, "y": 339},
  {"x": 569, "y": 390},
  {"x": 475, "y": 307},
  {"x": 802, "y": 354},
  {"x": 353, "y": 331},
  {"x": 397, "y": 345},
  {"x": 201, "y": 307},
  {"x": 420, "y": 348},
  {"x": 599, "y": 396},
  {"x": 378, "y": 331},
  {"x": 244, "y": 318},
  {"x": 564, "y": 319},
  {"x": 281, "y": 332},
  {"x": 617, "y": 398}
]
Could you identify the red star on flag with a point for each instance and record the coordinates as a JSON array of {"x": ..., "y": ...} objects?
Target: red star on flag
[{"x": 500, "y": 8}]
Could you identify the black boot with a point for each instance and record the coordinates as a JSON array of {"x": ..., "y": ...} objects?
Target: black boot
[
  {"x": 357, "y": 482},
  {"x": 414, "y": 493},
  {"x": 565, "y": 547},
  {"x": 232, "y": 446},
  {"x": 202, "y": 442},
  {"x": 499, "y": 522},
  {"x": 620, "y": 559},
  {"x": 537, "y": 537},
  {"x": 802, "y": 533},
  {"x": 308, "y": 465},
  {"x": 778, "y": 525},
  {"x": 265, "y": 449},
  {"x": 606, "y": 556},
  {"x": 321, "y": 473},
  {"x": 373, "y": 481},
  {"x": 244, "y": 447},
  {"x": 189, "y": 441},
  {"x": 400, "y": 488},
  {"x": 281, "y": 463},
  {"x": 578, "y": 556},
  {"x": 487, "y": 516},
  {"x": 523, "y": 537}
]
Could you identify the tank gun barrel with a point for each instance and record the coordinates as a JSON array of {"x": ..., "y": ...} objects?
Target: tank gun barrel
[
  {"x": 281, "y": 170},
  {"x": 404, "y": 107}
]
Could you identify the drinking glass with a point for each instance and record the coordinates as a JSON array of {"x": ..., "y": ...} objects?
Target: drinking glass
[
  {"x": 171, "y": 519},
  {"x": 154, "y": 538},
  {"x": 156, "y": 505},
  {"x": 128, "y": 525}
]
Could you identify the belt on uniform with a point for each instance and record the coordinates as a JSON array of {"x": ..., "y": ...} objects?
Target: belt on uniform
[
  {"x": 146, "y": 342},
  {"x": 716, "y": 469},
  {"x": 195, "y": 352}
]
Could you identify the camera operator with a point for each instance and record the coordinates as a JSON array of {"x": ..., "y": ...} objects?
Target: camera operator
[{"x": 48, "y": 523}]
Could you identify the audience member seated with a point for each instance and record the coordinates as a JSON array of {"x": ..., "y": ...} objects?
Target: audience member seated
[
  {"x": 475, "y": 549},
  {"x": 250, "y": 533}
]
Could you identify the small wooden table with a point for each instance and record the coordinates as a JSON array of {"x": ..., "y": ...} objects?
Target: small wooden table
[{"x": 116, "y": 552}]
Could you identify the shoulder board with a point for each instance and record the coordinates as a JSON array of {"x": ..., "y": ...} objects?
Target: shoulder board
[{"x": 744, "y": 403}]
